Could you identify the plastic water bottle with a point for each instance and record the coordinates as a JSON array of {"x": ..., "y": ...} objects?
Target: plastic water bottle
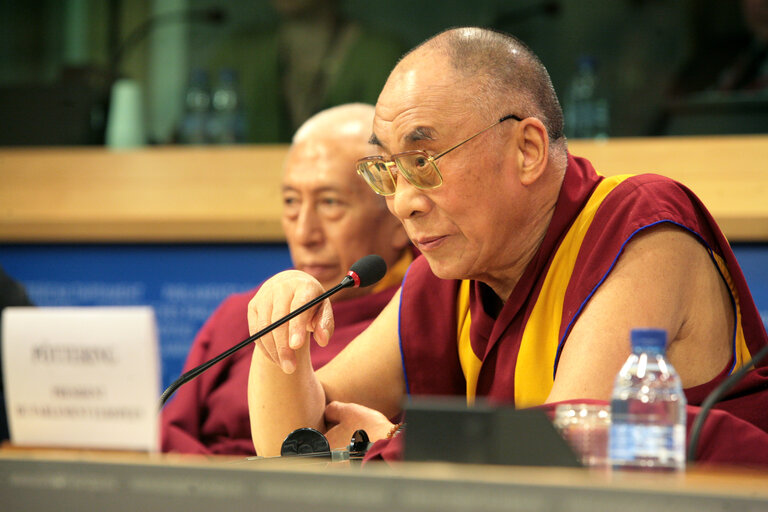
[
  {"x": 197, "y": 102},
  {"x": 586, "y": 112},
  {"x": 227, "y": 122},
  {"x": 647, "y": 408}
]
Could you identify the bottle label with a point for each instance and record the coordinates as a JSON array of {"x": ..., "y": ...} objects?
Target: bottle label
[{"x": 632, "y": 443}]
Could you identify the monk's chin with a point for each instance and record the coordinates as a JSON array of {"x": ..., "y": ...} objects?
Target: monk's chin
[{"x": 444, "y": 270}]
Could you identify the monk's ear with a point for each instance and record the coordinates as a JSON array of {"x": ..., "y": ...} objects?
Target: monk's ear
[{"x": 532, "y": 145}]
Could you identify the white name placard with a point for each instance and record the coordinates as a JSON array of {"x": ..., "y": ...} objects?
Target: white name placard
[{"x": 85, "y": 377}]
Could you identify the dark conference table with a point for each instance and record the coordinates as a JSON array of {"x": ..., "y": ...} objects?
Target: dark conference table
[{"x": 69, "y": 480}]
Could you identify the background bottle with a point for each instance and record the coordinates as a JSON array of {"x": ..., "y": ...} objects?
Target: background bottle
[
  {"x": 227, "y": 122},
  {"x": 647, "y": 408},
  {"x": 586, "y": 110},
  {"x": 197, "y": 103}
]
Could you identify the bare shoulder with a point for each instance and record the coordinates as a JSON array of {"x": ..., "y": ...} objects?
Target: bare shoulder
[
  {"x": 369, "y": 371},
  {"x": 665, "y": 278}
]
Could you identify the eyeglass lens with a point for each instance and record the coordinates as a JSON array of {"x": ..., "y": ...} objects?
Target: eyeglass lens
[
  {"x": 416, "y": 167},
  {"x": 378, "y": 177},
  {"x": 419, "y": 170}
]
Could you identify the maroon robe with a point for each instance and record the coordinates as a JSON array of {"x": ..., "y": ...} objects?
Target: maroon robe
[{"x": 428, "y": 321}]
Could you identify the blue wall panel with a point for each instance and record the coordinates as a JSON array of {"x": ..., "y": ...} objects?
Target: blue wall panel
[
  {"x": 184, "y": 283},
  {"x": 753, "y": 259}
]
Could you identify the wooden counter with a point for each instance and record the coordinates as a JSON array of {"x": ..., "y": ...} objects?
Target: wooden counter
[
  {"x": 168, "y": 194},
  {"x": 729, "y": 174},
  {"x": 232, "y": 194}
]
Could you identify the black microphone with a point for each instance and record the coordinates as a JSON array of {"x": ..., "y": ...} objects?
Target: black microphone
[
  {"x": 364, "y": 272},
  {"x": 715, "y": 397}
]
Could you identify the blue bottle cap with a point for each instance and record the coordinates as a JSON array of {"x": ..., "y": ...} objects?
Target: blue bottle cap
[{"x": 649, "y": 340}]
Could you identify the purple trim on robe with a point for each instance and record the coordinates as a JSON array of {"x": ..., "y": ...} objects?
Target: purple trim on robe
[{"x": 428, "y": 323}]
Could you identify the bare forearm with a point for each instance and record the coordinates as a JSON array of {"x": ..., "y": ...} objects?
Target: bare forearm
[{"x": 280, "y": 403}]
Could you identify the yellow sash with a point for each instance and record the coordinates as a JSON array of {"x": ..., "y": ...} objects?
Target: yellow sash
[
  {"x": 395, "y": 274},
  {"x": 470, "y": 363},
  {"x": 538, "y": 348}
]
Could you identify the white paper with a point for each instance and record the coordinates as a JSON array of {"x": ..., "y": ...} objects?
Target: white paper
[{"x": 85, "y": 377}]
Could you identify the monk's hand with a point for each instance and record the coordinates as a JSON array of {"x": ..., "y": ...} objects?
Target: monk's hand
[
  {"x": 343, "y": 419},
  {"x": 278, "y": 296}
]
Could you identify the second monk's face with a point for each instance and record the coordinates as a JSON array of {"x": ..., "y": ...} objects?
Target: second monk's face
[{"x": 331, "y": 218}]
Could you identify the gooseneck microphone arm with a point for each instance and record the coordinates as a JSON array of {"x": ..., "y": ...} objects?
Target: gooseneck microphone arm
[
  {"x": 365, "y": 272},
  {"x": 715, "y": 397},
  {"x": 194, "y": 372}
]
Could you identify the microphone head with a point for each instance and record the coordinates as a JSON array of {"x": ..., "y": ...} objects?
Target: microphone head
[{"x": 368, "y": 270}]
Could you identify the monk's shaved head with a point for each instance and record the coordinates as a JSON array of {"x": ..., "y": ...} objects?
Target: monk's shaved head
[{"x": 508, "y": 77}]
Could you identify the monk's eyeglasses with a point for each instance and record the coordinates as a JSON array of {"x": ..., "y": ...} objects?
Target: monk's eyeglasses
[{"x": 416, "y": 166}]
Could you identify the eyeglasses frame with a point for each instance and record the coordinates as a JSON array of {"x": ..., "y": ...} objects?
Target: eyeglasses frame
[{"x": 392, "y": 160}]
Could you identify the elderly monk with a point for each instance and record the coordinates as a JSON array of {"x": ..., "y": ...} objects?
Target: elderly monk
[
  {"x": 331, "y": 219},
  {"x": 534, "y": 267}
]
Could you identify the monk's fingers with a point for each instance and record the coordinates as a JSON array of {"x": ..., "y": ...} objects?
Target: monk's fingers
[
  {"x": 276, "y": 298},
  {"x": 281, "y": 335},
  {"x": 271, "y": 357},
  {"x": 300, "y": 326},
  {"x": 338, "y": 436},
  {"x": 259, "y": 314},
  {"x": 334, "y": 411},
  {"x": 322, "y": 323},
  {"x": 272, "y": 302},
  {"x": 345, "y": 418}
]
